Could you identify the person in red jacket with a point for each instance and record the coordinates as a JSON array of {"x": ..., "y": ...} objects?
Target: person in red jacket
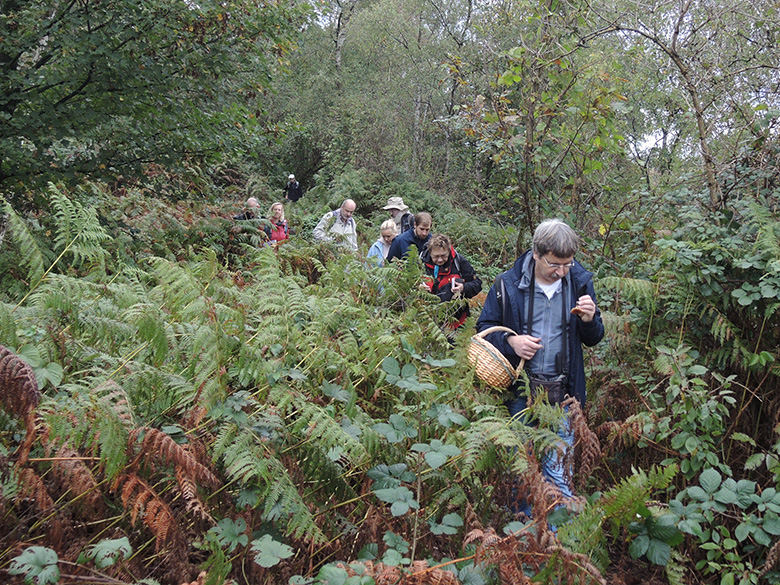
[
  {"x": 449, "y": 276},
  {"x": 277, "y": 231}
]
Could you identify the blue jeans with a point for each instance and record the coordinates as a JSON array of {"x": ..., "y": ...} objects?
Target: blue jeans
[{"x": 553, "y": 466}]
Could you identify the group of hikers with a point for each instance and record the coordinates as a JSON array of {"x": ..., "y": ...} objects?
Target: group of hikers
[
  {"x": 448, "y": 274},
  {"x": 544, "y": 306}
]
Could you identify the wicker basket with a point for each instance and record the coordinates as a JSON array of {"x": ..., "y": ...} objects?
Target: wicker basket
[{"x": 490, "y": 365}]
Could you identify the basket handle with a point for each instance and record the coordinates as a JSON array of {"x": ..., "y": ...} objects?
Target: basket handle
[
  {"x": 489, "y": 330},
  {"x": 493, "y": 329}
]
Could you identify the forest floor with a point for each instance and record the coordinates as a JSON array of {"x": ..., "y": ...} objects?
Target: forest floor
[{"x": 628, "y": 571}]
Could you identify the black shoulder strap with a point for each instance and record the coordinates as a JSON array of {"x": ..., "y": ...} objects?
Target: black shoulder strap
[{"x": 500, "y": 287}]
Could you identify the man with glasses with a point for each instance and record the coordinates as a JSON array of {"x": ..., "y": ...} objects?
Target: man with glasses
[{"x": 548, "y": 299}]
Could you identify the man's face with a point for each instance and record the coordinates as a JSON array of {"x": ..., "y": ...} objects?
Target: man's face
[
  {"x": 550, "y": 268},
  {"x": 422, "y": 230},
  {"x": 347, "y": 209},
  {"x": 440, "y": 256},
  {"x": 394, "y": 212}
]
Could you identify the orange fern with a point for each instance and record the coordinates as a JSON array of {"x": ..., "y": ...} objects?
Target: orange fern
[
  {"x": 140, "y": 499},
  {"x": 20, "y": 395},
  {"x": 157, "y": 446}
]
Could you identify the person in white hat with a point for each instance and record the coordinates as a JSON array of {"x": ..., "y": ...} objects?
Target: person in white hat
[
  {"x": 399, "y": 211},
  {"x": 292, "y": 190}
]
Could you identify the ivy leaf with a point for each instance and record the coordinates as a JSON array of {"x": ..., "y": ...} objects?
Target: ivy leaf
[
  {"x": 270, "y": 552},
  {"x": 38, "y": 564},
  {"x": 106, "y": 552},
  {"x": 231, "y": 533}
]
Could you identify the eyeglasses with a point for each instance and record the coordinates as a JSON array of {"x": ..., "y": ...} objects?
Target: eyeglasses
[{"x": 556, "y": 265}]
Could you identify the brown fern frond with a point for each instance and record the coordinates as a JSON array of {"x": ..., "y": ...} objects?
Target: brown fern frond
[
  {"x": 33, "y": 490},
  {"x": 158, "y": 446},
  {"x": 573, "y": 565},
  {"x": 189, "y": 492},
  {"x": 771, "y": 558},
  {"x": 140, "y": 499},
  {"x": 512, "y": 572},
  {"x": 19, "y": 395},
  {"x": 620, "y": 435},
  {"x": 472, "y": 520},
  {"x": 73, "y": 475},
  {"x": 422, "y": 574},
  {"x": 586, "y": 443}
]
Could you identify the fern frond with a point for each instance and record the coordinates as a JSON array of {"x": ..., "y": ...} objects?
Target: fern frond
[
  {"x": 78, "y": 229},
  {"x": 637, "y": 291},
  {"x": 158, "y": 446},
  {"x": 29, "y": 250},
  {"x": 20, "y": 395},
  {"x": 141, "y": 500}
]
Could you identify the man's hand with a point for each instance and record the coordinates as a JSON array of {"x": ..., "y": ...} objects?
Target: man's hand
[
  {"x": 585, "y": 308},
  {"x": 525, "y": 346}
]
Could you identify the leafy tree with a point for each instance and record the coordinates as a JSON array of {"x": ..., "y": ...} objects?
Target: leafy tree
[{"x": 101, "y": 88}]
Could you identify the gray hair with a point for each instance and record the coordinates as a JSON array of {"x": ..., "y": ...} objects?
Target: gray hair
[{"x": 555, "y": 237}]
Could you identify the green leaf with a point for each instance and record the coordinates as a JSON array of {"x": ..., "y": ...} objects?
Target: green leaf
[
  {"x": 391, "y": 366},
  {"x": 639, "y": 546},
  {"x": 390, "y": 476},
  {"x": 231, "y": 533},
  {"x": 335, "y": 391},
  {"x": 396, "y": 542},
  {"x": 270, "y": 552},
  {"x": 658, "y": 552},
  {"x": 106, "y": 552},
  {"x": 396, "y": 430},
  {"x": 710, "y": 480},
  {"x": 446, "y": 416},
  {"x": 332, "y": 575},
  {"x": 369, "y": 552},
  {"x": 449, "y": 524},
  {"x": 664, "y": 528},
  {"x": 771, "y": 525},
  {"x": 401, "y": 499},
  {"x": 38, "y": 564},
  {"x": 754, "y": 461},
  {"x": 726, "y": 496},
  {"x": 437, "y": 453}
]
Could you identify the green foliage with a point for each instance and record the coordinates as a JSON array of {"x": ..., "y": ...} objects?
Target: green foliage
[
  {"x": 106, "y": 553},
  {"x": 269, "y": 552},
  {"x": 655, "y": 537},
  {"x": 38, "y": 564},
  {"x": 142, "y": 104}
]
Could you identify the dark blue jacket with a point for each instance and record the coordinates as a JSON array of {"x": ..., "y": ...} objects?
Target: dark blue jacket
[
  {"x": 400, "y": 245},
  {"x": 516, "y": 281}
]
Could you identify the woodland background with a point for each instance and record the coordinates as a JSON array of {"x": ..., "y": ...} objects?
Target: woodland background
[{"x": 177, "y": 399}]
